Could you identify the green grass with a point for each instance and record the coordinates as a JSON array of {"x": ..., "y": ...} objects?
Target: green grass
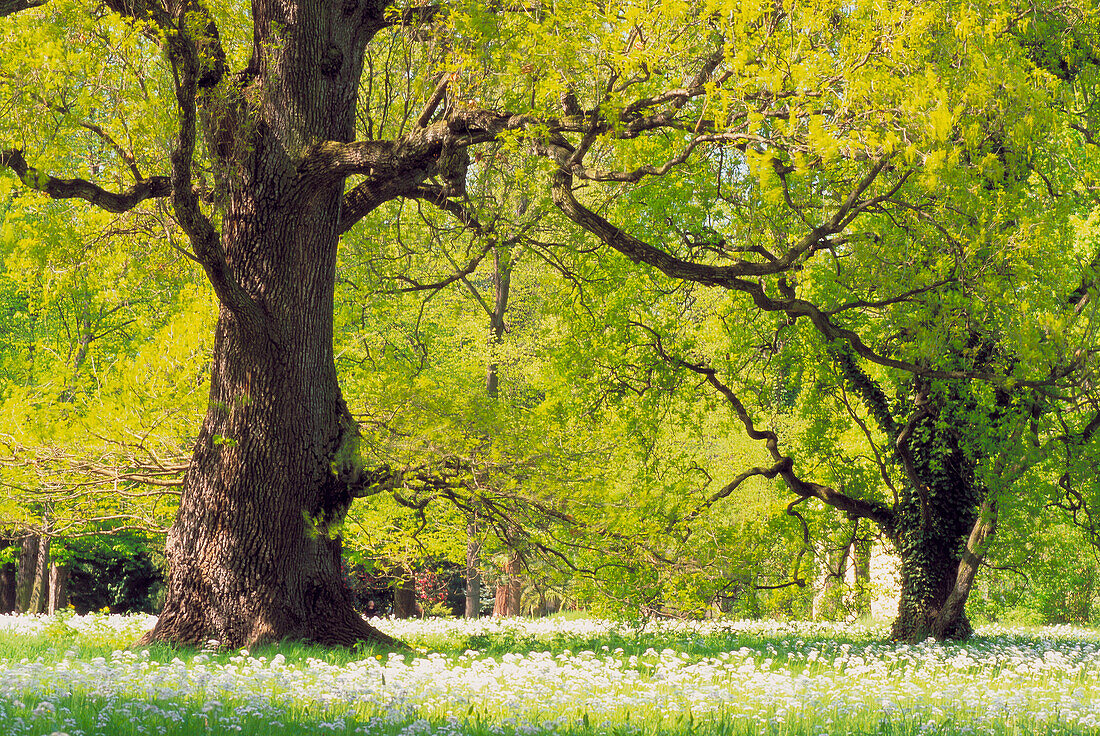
[{"x": 567, "y": 678}]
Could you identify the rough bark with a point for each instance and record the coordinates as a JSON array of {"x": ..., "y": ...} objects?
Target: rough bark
[
  {"x": 255, "y": 553},
  {"x": 953, "y": 611},
  {"x": 10, "y": 7},
  {"x": 59, "y": 588},
  {"x": 25, "y": 575}
]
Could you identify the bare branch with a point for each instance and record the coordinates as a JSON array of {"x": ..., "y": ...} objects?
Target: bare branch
[{"x": 432, "y": 104}]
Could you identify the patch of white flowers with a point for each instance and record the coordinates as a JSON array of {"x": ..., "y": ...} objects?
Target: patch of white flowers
[{"x": 793, "y": 679}]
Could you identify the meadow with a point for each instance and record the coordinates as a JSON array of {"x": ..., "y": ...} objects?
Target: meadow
[{"x": 78, "y": 676}]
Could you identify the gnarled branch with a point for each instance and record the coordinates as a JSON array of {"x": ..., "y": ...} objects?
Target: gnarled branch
[
  {"x": 418, "y": 150},
  {"x": 153, "y": 187},
  {"x": 876, "y": 511}
]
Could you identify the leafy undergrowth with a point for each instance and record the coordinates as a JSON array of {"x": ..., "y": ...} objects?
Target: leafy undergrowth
[{"x": 77, "y": 675}]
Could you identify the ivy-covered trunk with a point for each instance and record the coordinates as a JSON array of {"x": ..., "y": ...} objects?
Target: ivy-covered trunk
[
  {"x": 939, "y": 512},
  {"x": 929, "y": 569}
]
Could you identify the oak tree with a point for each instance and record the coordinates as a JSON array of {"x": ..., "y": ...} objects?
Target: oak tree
[{"x": 256, "y": 180}]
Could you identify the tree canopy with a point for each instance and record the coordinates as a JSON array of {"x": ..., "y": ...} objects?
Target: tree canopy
[{"x": 863, "y": 236}]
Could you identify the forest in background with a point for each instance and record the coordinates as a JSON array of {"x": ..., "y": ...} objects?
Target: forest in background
[{"x": 555, "y": 419}]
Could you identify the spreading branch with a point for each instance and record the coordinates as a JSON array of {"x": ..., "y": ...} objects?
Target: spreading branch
[
  {"x": 744, "y": 276},
  {"x": 876, "y": 511},
  {"x": 419, "y": 150},
  {"x": 137, "y": 486},
  {"x": 153, "y": 187},
  {"x": 731, "y": 275}
]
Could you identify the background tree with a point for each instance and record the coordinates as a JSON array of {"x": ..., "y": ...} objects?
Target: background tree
[
  {"x": 878, "y": 181},
  {"x": 88, "y": 405}
]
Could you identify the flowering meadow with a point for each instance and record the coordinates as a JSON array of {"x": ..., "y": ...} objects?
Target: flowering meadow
[{"x": 76, "y": 675}]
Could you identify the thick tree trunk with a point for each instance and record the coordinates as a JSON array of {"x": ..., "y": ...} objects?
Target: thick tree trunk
[
  {"x": 943, "y": 521},
  {"x": 926, "y": 582},
  {"x": 938, "y": 565},
  {"x": 255, "y": 552},
  {"x": 954, "y": 608}
]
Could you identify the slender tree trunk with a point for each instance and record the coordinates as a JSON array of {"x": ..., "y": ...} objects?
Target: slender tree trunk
[
  {"x": 502, "y": 279},
  {"x": 1082, "y": 604},
  {"x": 27, "y": 574},
  {"x": 473, "y": 572},
  {"x": 859, "y": 579},
  {"x": 40, "y": 587},
  {"x": 507, "y": 599},
  {"x": 502, "y": 283},
  {"x": 404, "y": 600},
  {"x": 9, "y": 574},
  {"x": 827, "y": 602},
  {"x": 59, "y": 588}
]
